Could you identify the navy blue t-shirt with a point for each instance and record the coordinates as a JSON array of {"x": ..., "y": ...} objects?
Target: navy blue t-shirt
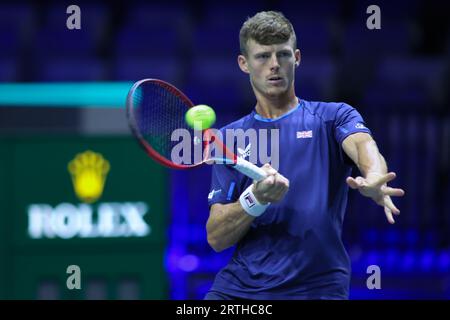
[{"x": 295, "y": 249}]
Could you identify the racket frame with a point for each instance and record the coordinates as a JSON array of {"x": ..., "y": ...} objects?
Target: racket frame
[{"x": 229, "y": 158}]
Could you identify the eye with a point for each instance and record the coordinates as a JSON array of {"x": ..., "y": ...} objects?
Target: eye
[
  {"x": 263, "y": 56},
  {"x": 284, "y": 54}
]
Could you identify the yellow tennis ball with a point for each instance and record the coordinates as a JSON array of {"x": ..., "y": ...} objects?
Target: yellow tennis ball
[{"x": 200, "y": 117}]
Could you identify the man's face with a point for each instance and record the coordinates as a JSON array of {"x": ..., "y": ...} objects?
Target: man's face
[{"x": 271, "y": 67}]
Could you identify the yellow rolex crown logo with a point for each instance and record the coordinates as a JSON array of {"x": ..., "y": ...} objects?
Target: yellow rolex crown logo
[{"x": 88, "y": 171}]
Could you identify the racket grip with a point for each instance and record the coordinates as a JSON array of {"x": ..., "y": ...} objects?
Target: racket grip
[{"x": 249, "y": 169}]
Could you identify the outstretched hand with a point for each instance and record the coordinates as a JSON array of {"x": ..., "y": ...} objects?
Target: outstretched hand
[{"x": 374, "y": 186}]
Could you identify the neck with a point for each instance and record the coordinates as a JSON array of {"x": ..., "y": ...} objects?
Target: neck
[{"x": 274, "y": 107}]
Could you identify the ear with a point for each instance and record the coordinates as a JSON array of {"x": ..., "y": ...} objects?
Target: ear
[
  {"x": 242, "y": 61},
  {"x": 298, "y": 57}
]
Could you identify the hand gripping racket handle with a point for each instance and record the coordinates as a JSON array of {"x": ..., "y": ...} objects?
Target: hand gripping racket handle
[{"x": 249, "y": 169}]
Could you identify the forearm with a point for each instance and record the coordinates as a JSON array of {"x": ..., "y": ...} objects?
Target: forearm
[
  {"x": 369, "y": 159},
  {"x": 226, "y": 225},
  {"x": 363, "y": 150}
]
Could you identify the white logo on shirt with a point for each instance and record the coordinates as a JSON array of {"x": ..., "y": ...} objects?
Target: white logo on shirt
[
  {"x": 245, "y": 153},
  {"x": 304, "y": 134},
  {"x": 197, "y": 140},
  {"x": 360, "y": 126},
  {"x": 213, "y": 193}
]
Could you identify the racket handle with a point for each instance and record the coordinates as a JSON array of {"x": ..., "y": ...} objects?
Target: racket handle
[{"x": 249, "y": 169}]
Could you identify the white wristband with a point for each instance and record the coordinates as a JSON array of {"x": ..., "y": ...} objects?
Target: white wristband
[{"x": 250, "y": 204}]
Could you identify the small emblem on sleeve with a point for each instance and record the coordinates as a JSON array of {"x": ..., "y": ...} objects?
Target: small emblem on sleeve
[
  {"x": 360, "y": 126},
  {"x": 245, "y": 153},
  {"x": 213, "y": 193}
]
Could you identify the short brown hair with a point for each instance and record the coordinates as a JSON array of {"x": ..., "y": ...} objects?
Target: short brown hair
[{"x": 266, "y": 28}]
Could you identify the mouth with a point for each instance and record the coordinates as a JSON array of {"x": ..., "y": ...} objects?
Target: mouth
[{"x": 275, "y": 80}]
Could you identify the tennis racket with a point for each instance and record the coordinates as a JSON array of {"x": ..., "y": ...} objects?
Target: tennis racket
[{"x": 156, "y": 110}]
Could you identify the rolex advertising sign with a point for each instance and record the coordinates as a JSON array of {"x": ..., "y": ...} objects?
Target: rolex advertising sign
[
  {"x": 96, "y": 203},
  {"x": 87, "y": 189},
  {"x": 88, "y": 171}
]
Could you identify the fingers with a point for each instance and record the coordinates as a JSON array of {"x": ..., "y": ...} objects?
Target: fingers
[
  {"x": 358, "y": 182},
  {"x": 352, "y": 183},
  {"x": 281, "y": 185},
  {"x": 355, "y": 183},
  {"x": 386, "y": 178},
  {"x": 274, "y": 195},
  {"x": 390, "y": 205},
  {"x": 266, "y": 184},
  {"x": 278, "y": 189},
  {"x": 393, "y": 192},
  {"x": 268, "y": 169},
  {"x": 389, "y": 216},
  {"x": 273, "y": 187},
  {"x": 379, "y": 192},
  {"x": 269, "y": 179}
]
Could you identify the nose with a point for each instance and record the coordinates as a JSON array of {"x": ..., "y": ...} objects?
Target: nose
[{"x": 274, "y": 65}]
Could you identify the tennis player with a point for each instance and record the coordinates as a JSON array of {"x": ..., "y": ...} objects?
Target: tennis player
[{"x": 287, "y": 228}]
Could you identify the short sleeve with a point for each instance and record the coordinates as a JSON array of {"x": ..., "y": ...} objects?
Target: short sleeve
[
  {"x": 225, "y": 183},
  {"x": 347, "y": 122}
]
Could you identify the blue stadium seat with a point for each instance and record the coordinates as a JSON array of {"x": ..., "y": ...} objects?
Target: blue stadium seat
[
  {"x": 154, "y": 30},
  {"x": 133, "y": 69},
  {"x": 61, "y": 42},
  {"x": 391, "y": 259},
  {"x": 443, "y": 261},
  {"x": 9, "y": 70},
  {"x": 427, "y": 261},
  {"x": 382, "y": 97},
  {"x": 409, "y": 261},
  {"x": 407, "y": 84},
  {"x": 217, "y": 30},
  {"x": 74, "y": 69},
  {"x": 17, "y": 16},
  {"x": 11, "y": 38},
  {"x": 299, "y": 10},
  {"x": 217, "y": 14},
  {"x": 219, "y": 82},
  {"x": 216, "y": 70},
  {"x": 314, "y": 36},
  {"x": 412, "y": 237},
  {"x": 212, "y": 42},
  {"x": 414, "y": 74},
  {"x": 370, "y": 237},
  {"x": 148, "y": 42},
  {"x": 362, "y": 44},
  {"x": 223, "y": 98},
  {"x": 157, "y": 15},
  {"x": 315, "y": 78}
]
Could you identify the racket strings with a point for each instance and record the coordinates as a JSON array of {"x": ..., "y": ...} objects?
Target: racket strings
[{"x": 158, "y": 113}]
